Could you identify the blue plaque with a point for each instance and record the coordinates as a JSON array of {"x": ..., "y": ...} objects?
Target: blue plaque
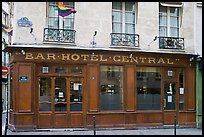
[
  {"x": 23, "y": 78},
  {"x": 24, "y": 22}
]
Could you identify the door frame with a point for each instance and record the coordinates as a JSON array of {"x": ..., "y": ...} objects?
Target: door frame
[{"x": 171, "y": 114}]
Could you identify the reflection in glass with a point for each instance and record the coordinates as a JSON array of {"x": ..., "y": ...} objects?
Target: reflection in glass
[
  {"x": 60, "y": 69},
  {"x": 76, "y": 94},
  {"x": 76, "y": 70},
  {"x": 45, "y": 94},
  {"x": 60, "y": 94},
  {"x": 111, "y": 83},
  {"x": 169, "y": 95},
  {"x": 181, "y": 87},
  {"x": 148, "y": 88}
]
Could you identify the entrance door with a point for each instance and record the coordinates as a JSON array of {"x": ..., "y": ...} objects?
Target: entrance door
[
  {"x": 169, "y": 102},
  {"x": 61, "y": 98},
  {"x": 76, "y": 101},
  {"x": 60, "y": 115}
]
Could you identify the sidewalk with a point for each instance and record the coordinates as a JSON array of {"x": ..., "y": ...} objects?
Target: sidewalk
[
  {"x": 184, "y": 131},
  {"x": 104, "y": 131}
]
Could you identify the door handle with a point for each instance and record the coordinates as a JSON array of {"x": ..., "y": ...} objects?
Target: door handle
[{"x": 164, "y": 103}]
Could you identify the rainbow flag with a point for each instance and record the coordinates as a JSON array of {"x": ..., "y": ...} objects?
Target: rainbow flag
[
  {"x": 64, "y": 11},
  {"x": 9, "y": 30}
]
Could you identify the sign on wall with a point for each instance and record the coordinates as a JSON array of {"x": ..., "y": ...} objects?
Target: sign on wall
[{"x": 23, "y": 78}]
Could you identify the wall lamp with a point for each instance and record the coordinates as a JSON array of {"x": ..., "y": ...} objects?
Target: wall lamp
[
  {"x": 191, "y": 59},
  {"x": 23, "y": 52}
]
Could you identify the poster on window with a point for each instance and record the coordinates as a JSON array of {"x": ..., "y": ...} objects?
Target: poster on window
[
  {"x": 169, "y": 98},
  {"x": 61, "y": 95},
  {"x": 181, "y": 90},
  {"x": 76, "y": 86}
]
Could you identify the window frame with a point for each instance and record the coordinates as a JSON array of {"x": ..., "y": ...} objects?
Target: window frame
[
  {"x": 168, "y": 21},
  {"x": 61, "y": 20},
  {"x": 123, "y": 22}
]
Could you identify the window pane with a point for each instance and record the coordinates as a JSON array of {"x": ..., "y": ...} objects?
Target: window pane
[
  {"x": 182, "y": 90},
  {"x": 174, "y": 22},
  {"x": 130, "y": 17},
  {"x": 45, "y": 94},
  {"x": 174, "y": 12},
  {"x": 174, "y": 32},
  {"x": 117, "y": 27},
  {"x": 162, "y": 10},
  {"x": 162, "y": 21},
  {"x": 130, "y": 6},
  {"x": 111, "y": 83},
  {"x": 60, "y": 94},
  {"x": 76, "y": 92},
  {"x": 117, "y": 16},
  {"x": 148, "y": 88},
  {"x": 130, "y": 28},
  {"x": 162, "y": 31},
  {"x": 117, "y": 5}
]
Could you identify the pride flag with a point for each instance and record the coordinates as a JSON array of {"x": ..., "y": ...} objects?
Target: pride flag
[
  {"x": 64, "y": 11},
  {"x": 9, "y": 30}
]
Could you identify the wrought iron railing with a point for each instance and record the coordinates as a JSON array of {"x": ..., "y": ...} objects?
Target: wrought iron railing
[
  {"x": 123, "y": 39},
  {"x": 171, "y": 43},
  {"x": 59, "y": 35}
]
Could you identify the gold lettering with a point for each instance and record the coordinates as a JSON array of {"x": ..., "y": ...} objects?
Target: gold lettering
[
  {"x": 125, "y": 59},
  {"x": 51, "y": 55},
  {"x": 29, "y": 56},
  {"x": 75, "y": 57},
  {"x": 101, "y": 58},
  {"x": 84, "y": 57},
  {"x": 168, "y": 61},
  {"x": 94, "y": 57},
  {"x": 161, "y": 61},
  {"x": 142, "y": 59},
  {"x": 65, "y": 56},
  {"x": 39, "y": 56},
  {"x": 133, "y": 59},
  {"x": 116, "y": 58},
  {"x": 151, "y": 60}
]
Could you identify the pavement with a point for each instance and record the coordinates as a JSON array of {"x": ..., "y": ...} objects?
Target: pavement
[{"x": 104, "y": 131}]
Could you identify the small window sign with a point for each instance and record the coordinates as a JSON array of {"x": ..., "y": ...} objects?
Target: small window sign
[
  {"x": 23, "y": 78},
  {"x": 170, "y": 73},
  {"x": 45, "y": 70}
]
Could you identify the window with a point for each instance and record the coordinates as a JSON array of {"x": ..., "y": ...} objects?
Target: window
[
  {"x": 148, "y": 88},
  {"x": 45, "y": 94},
  {"x": 181, "y": 90},
  {"x": 168, "y": 21},
  {"x": 58, "y": 22},
  {"x": 123, "y": 17},
  {"x": 4, "y": 18},
  {"x": 111, "y": 88}
]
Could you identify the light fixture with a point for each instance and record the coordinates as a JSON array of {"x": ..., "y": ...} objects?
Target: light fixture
[
  {"x": 191, "y": 59},
  {"x": 23, "y": 52}
]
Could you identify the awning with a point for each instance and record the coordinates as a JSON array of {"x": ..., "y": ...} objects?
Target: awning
[{"x": 172, "y": 4}]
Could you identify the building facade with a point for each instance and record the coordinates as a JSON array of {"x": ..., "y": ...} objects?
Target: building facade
[
  {"x": 6, "y": 40},
  {"x": 198, "y": 50},
  {"x": 128, "y": 64}
]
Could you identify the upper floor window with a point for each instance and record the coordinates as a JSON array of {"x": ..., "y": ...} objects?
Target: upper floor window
[
  {"x": 4, "y": 18},
  {"x": 123, "y": 25},
  {"x": 169, "y": 21},
  {"x": 57, "y": 22},
  {"x": 123, "y": 17},
  {"x": 169, "y": 25}
]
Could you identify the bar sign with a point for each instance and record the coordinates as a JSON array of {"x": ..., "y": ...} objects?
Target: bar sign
[{"x": 23, "y": 78}]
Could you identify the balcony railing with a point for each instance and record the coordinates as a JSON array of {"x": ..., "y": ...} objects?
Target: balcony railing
[
  {"x": 59, "y": 35},
  {"x": 123, "y": 39},
  {"x": 171, "y": 43}
]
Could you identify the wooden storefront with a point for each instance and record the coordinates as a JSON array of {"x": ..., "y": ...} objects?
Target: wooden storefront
[{"x": 62, "y": 88}]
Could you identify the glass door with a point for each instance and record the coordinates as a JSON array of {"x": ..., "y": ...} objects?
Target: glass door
[{"x": 169, "y": 102}]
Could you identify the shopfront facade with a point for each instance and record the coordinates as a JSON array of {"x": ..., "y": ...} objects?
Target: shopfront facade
[{"x": 65, "y": 88}]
